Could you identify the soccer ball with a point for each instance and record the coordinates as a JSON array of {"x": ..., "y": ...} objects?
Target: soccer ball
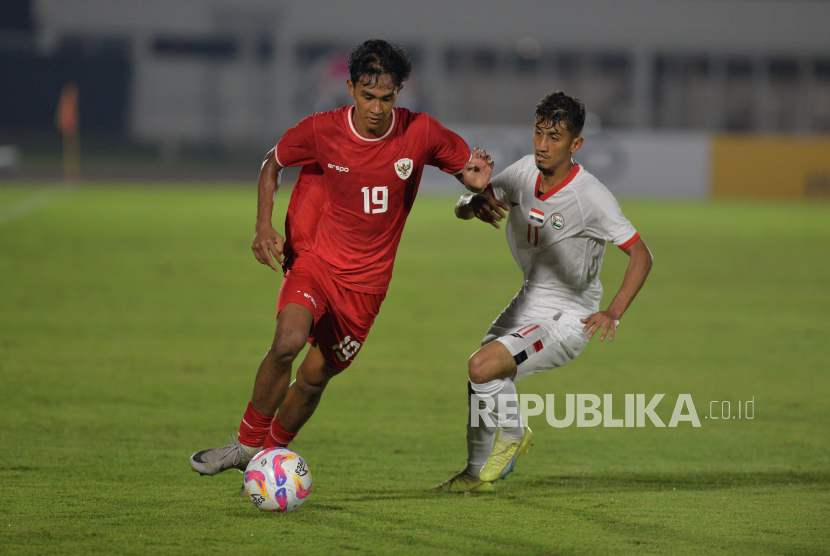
[{"x": 277, "y": 480}]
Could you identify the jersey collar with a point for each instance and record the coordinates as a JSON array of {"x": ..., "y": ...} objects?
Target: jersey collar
[
  {"x": 349, "y": 114},
  {"x": 568, "y": 179}
]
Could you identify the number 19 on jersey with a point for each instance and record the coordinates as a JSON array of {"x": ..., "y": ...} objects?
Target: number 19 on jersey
[{"x": 377, "y": 201}]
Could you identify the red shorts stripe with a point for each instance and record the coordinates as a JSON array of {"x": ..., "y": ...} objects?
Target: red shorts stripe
[
  {"x": 537, "y": 345},
  {"x": 526, "y": 332}
]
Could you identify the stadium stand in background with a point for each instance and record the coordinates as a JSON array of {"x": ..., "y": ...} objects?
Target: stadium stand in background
[{"x": 188, "y": 89}]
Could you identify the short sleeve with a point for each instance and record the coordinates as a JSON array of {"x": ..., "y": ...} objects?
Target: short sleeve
[
  {"x": 298, "y": 145},
  {"x": 500, "y": 186},
  {"x": 447, "y": 150},
  {"x": 604, "y": 219}
]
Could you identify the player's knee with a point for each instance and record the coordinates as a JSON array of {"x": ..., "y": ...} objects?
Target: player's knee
[
  {"x": 310, "y": 387},
  {"x": 480, "y": 368},
  {"x": 287, "y": 346}
]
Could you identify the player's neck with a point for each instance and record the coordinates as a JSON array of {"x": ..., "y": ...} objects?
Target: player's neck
[
  {"x": 362, "y": 129},
  {"x": 556, "y": 176}
]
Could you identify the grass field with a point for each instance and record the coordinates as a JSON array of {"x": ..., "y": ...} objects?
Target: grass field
[{"x": 132, "y": 321}]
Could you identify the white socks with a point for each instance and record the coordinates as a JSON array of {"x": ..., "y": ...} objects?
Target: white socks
[
  {"x": 480, "y": 438},
  {"x": 251, "y": 450}
]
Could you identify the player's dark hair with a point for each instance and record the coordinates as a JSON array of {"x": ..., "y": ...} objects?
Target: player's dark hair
[
  {"x": 373, "y": 58},
  {"x": 559, "y": 108}
]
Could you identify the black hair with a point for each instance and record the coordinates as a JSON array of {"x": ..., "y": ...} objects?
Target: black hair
[
  {"x": 559, "y": 108},
  {"x": 373, "y": 58}
]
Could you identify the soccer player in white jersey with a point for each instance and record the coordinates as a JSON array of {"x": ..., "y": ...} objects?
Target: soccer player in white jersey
[{"x": 560, "y": 219}]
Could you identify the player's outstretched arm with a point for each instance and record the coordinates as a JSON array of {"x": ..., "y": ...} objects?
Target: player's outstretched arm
[
  {"x": 483, "y": 207},
  {"x": 475, "y": 175},
  {"x": 267, "y": 241},
  {"x": 639, "y": 265}
]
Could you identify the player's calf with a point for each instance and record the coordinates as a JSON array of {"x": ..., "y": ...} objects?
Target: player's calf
[
  {"x": 305, "y": 392},
  {"x": 274, "y": 374}
]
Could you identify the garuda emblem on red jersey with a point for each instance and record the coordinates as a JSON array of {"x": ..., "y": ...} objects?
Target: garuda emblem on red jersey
[{"x": 403, "y": 168}]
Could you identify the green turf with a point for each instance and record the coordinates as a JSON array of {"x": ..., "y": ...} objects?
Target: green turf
[{"x": 132, "y": 321}]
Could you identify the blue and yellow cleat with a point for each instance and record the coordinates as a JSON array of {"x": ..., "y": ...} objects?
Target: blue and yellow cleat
[{"x": 504, "y": 455}]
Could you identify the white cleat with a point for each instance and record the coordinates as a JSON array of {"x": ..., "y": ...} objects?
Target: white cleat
[{"x": 213, "y": 462}]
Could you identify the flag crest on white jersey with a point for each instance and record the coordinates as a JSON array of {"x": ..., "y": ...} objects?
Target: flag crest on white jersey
[
  {"x": 559, "y": 242},
  {"x": 537, "y": 216}
]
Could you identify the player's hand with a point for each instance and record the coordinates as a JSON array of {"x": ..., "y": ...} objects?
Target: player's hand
[
  {"x": 477, "y": 170},
  {"x": 600, "y": 321},
  {"x": 488, "y": 210},
  {"x": 268, "y": 242}
]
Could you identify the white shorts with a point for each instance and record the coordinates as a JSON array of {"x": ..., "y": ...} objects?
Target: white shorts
[{"x": 538, "y": 344}]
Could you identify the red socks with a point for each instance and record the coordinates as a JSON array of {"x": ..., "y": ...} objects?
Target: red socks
[
  {"x": 278, "y": 437},
  {"x": 254, "y": 427},
  {"x": 254, "y": 431}
]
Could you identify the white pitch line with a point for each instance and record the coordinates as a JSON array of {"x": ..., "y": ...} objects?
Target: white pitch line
[{"x": 34, "y": 203}]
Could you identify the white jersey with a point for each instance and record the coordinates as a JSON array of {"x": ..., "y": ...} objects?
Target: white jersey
[{"x": 558, "y": 238}]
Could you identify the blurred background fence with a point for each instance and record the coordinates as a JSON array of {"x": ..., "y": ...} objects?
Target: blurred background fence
[{"x": 686, "y": 97}]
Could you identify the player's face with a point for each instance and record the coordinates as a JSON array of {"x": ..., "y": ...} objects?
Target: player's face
[
  {"x": 373, "y": 103},
  {"x": 553, "y": 146}
]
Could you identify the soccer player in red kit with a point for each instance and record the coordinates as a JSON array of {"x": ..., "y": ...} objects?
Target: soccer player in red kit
[{"x": 361, "y": 168}]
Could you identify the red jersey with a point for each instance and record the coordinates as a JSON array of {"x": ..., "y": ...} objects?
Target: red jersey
[
  {"x": 364, "y": 188},
  {"x": 303, "y": 213}
]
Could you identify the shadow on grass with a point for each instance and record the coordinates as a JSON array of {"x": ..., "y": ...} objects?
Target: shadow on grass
[
  {"x": 588, "y": 484},
  {"x": 615, "y": 482},
  {"x": 707, "y": 480},
  {"x": 344, "y": 512}
]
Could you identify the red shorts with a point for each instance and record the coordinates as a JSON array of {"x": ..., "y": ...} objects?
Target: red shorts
[{"x": 342, "y": 317}]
